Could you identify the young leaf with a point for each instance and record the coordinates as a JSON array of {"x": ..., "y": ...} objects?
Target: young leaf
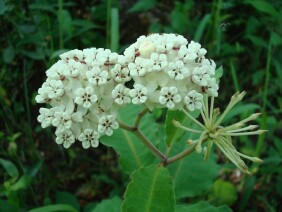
[
  {"x": 203, "y": 207},
  {"x": 150, "y": 189}
]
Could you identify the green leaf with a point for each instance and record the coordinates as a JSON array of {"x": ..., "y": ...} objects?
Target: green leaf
[
  {"x": 142, "y": 5},
  {"x": 133, "y": 153},
  {"x": 8, "y": 54},
  {"x": 113, "y": 205},
  {"x": 192, "y": 175},
  {"x": 150, "y": 189},
  {"x": 203, "y": 207},
  {"x": 10, "y": 168},
  {"x": 68, "y": 199},
  {"x": 264, "y": 6},
  {"x": 54, "y": 208},
  {"x": 172, "y": 133},
  {"x": 223, "y": 193}
]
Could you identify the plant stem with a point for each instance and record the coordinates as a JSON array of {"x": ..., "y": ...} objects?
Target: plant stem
[
  {"x": 139, "y": 117},
  {"x": 181, "y": 154},
  {"x": 147, "y": 143}
]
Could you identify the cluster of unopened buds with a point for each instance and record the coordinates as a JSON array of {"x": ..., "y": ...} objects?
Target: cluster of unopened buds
[{"x": 86, "y": 88}]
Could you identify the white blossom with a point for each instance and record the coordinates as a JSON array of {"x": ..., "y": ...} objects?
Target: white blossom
[
  {"x": 200, "y": 76},
  {"x": 120, "y": 74},
  {"x": 177, "y": 70},
  {"x": 65, "y": 137},
  {"x": 212, "y": 87},
  {"x": 169, "y": 97},
  {"x": 46, "y": 117},
  {"x": 193, "y": 100},
  {"x": 138, "y": 94},
  {"x": 89, "y": 138},
  {"x": 85, "y": 97},
  {"x": 62, "y": 120},
  {"x": 107, "y": 124},
  {"x": 139, "y": 68},
  {"x": 73, "y": 69},
  {"x": 159, "y": 61},
  {"x": 96, "y": 76},
  {"x": 120, "y": 94},
  {"x": 55, "y": 89}
]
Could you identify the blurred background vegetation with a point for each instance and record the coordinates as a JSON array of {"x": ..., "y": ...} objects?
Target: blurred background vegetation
[{"x": 244, "y": 37}]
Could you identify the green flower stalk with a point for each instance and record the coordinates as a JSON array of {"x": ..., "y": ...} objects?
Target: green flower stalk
[{"x": 213, "y": 132}]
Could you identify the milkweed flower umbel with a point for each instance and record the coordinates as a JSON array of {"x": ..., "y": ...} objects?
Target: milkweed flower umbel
[
  {"x": 214, "y": 132},
  {"x": 168, "y": 61},
  {"x": 85, "y": 90}
]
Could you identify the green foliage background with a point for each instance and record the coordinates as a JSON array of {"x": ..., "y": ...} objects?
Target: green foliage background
[{"x": 244, "y": 37}]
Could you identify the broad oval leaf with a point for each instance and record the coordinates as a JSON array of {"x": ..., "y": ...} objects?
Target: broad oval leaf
[
  {"x": 10, "y": 168},
  {"x": 151, "y": 190}
]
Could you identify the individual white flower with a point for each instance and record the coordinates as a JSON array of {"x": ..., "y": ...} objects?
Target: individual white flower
[
  {"x": 200, "y": 76},
  {"x": 65, "y": 137},
  {"x": 194, "y": 47},
  {"x": 89, "y": 138},
  {"x": 139, "y": 67},
  {"x": 120, "y": 94},
  {"x": 177, "y": 70},
  {"x": 56, "y": 71},
  {"x": 107, "y": 124},
  {"x": 96, "y": 76},
  {"x": 73, "y": 69},
  {"x": 85, "y": 97},
  {"x": 185, "y": 55},
  {"x": 46, "y": 117},
  {"x": 42, "y": 96},
  {"x": 138, "y": 94},
  {"x": 169, "y": 96},
  {"x": 159, "y": 61},
  {"x": 212, "y": 87},
  {"x": 62, "y": 120},
  {"x": 120, "y": 74},
  {"x": 193, "y": 100},
  {"x": 209, "y": 66},
  {"x": 55, "y": 89}
]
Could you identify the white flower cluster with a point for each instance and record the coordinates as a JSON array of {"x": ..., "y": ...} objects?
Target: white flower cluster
[
  {"x": 85, "y": 90},
  {"x": 169, "y": 73}
]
